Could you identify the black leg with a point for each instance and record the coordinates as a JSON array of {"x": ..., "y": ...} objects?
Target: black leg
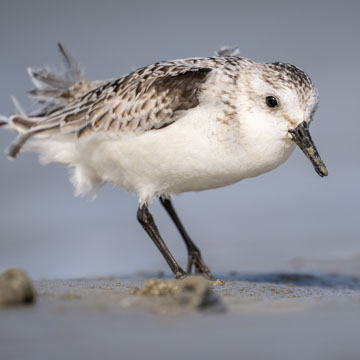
[
  {"x": 148, "y": 223},
  {"x": 194, "y": 255}
]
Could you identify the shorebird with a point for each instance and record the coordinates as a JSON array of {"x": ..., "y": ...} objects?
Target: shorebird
[{"x": 170, "y": 127}]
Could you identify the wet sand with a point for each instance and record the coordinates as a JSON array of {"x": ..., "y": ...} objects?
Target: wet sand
[{"x": 256, "y": 316}]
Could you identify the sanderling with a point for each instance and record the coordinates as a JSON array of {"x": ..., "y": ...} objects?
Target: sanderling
[{"x": 170, "y": 127}]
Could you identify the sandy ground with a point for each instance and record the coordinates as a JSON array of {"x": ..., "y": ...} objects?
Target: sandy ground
[{"x": 256, "y": 316}]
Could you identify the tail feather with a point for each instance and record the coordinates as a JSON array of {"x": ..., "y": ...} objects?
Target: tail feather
[
  {"x": 53, "y": 85},
  {"x": 46, "y": 79},
  {"x": 26, "y": 127},
  {"x": 22, "y": 123},
  {"x": 53, "y": 90},
  {"x": 57, "y": 88},
  {"x": 72, "y": 68},
  {"x": 3, "y": 120},
  {"x": 13, "y": 150}
]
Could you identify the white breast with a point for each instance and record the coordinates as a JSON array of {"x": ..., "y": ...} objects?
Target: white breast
[{"x": 197, "y": 152}]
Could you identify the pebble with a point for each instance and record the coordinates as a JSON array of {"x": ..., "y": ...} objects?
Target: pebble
[{"x": 15, "y": 288}]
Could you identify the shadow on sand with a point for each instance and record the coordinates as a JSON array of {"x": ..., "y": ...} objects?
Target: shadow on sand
[{"x": 326, "y": 280}]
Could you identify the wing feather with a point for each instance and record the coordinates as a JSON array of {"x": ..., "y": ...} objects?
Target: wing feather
[{"x": 141, "y": 101}]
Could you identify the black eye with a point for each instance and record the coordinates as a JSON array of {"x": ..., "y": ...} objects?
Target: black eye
[{"x": 271, "y": 101}]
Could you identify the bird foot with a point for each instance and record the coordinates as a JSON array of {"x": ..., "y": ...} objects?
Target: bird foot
[
  {"x": 180, "y": 274},
  {"x": 195, "y": 260}
]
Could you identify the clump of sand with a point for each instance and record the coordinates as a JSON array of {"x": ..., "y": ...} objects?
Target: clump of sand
[
  {"x": 15, "y": 288},
  {"x": 190, "y": 293}
]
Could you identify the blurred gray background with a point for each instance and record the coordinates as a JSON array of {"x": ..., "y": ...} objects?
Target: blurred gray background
[{"x": 277, "y": 221}]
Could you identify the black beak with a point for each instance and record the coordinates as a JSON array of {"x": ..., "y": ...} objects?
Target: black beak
[{"x": 302, "y": 138}]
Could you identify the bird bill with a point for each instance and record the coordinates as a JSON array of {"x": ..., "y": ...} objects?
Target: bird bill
[{"x": 302, "y": 138}]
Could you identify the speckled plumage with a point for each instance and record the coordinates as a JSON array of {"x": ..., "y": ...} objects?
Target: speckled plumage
[
  {"x": 146, "y": 99},
  {"x": 81, "y": 118}
]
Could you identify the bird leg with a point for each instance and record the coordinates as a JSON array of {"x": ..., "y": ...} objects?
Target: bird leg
[
  {"x": 194, "y": 256},
  {"x": 147, "y": 221}
]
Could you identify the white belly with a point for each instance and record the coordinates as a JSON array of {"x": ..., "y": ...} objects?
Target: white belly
[{"x": 195, "y": 153}]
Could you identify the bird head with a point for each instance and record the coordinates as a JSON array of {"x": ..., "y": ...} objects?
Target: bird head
[{"x": 286, "y": 100}]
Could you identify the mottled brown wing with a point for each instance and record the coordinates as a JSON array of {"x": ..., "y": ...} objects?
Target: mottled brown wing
[{"x": 144, "y": 100}]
